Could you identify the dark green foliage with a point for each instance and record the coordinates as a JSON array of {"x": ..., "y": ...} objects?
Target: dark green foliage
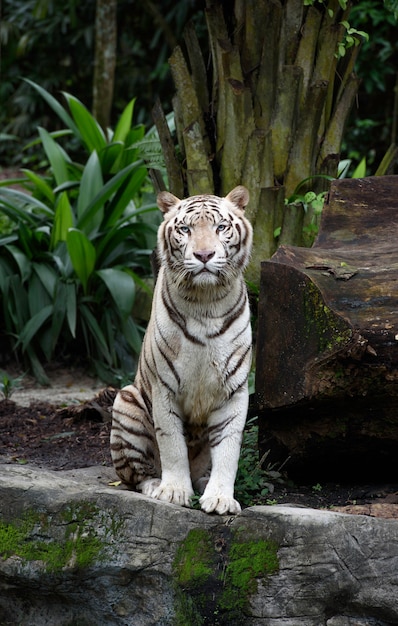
[
  {"x": 59, "y": 36},
  {"x": 373, "y": 123},
  {"x": 52, "y": 43},
  {"x": 80, "y": 242},
  {"x": 254, "y": 479}
]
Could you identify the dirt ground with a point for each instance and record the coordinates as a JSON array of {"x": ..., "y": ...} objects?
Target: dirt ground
[{"x": 36, "y": 428}]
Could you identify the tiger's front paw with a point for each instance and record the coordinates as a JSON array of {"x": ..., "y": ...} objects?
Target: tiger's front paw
[
  {"x": 147, "y": 487},
  {"x": 219, "y": 504},
  {"x": 170, "y": 492}
]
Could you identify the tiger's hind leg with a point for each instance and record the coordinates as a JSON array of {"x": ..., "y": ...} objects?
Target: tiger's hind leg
[{"x": 134, "y": 450}]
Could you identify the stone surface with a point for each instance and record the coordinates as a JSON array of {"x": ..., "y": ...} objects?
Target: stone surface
[{"x": 76, "y": 550}]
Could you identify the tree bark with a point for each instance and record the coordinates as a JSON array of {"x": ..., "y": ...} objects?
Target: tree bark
[
  {"x": 104, "y": 61},
  {"x": 268, "y": 112},
  {"x": 327, "y": 345}
]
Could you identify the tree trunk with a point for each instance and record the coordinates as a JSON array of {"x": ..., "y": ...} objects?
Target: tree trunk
[
  {"x": 327, "y": 345},
  {"x": 105, "y": 60},
  {"x": 268, "y": 113}
]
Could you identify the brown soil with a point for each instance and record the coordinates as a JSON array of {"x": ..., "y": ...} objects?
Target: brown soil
[{"x": 43, "y": 433}]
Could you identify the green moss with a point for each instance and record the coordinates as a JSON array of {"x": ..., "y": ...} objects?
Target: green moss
[
  {"x": 28, "y": 538},
  {"x": 215, "y": 574},
  {"x": 193, "y": 562},
  {"x": 320, "y": 321},
  {"x": 247, "y": 562}
]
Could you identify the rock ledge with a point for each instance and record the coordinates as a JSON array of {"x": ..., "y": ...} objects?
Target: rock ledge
[{"x": 76, "y": 550}]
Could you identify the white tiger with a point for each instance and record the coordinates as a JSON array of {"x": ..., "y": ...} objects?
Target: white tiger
[{"x": 181, "y": 422}]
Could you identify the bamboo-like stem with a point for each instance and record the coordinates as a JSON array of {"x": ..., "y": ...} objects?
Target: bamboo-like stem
[
  {"x": 303, "y": 154},
  {"x": 195, "y": 139},
  {"x": 238, "y": 107},
  {"x": 346, "y": 68},
  {"x": 285, "y": 116},
  {"x": 179, "y": 125},
  {"x": 267, "y": 74},
  {"x": 176, "y": 184},
  {"x": 198, "y": 68},
  {"x": 248, "y": 35},
  {"x": 269, "y": 217},
  {"x": 387, "y": 163},
  {"x": 257, "y": 169},
  {"x": 218, "y": 36},
  {"x": 271, "y": 105},
  {"x": 199, "y": 172},
  {"x": 191, "y": 111},
  {"x": 307, "y": 49},
  {"x": 291, "y": 31},
  {"x": 292, "y": 228},
  {"x": 334, "y": 133}
]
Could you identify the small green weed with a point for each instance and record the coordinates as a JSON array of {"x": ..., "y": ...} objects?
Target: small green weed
[
  {"x": 8, "y": 385},
  {"x": 253, "y": 480}
]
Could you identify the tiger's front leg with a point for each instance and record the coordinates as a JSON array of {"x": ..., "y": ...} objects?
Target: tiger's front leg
[
  {"x": 225, "y": 437},
  {"x": 175, "y": 485}
]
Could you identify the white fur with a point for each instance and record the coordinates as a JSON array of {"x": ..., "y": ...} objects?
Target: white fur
[{"x": 196, "y": 370}]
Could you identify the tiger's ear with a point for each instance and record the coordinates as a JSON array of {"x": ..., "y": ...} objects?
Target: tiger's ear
[
  {"x": 239, "y": 196},
  {"x": 166, "y": 201}
]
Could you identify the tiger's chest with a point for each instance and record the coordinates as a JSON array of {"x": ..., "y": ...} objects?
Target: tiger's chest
[
  {"x": 202, "y": 387},
  {"x": 207, "y": 364}
]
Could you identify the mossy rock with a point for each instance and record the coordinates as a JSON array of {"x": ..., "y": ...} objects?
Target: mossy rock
[
  {"x": 76, "y": 544},
  {"x": 216, "y": 572}
]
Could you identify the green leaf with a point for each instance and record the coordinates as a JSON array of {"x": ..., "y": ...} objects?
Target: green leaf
[
  {"x": 37, "y": 295},
  {"x": 132, "y": 335},
  {"x": 130, "y": 154},
  {"x": 48, "y": 277},
  {"x": 59, "y": 312},
  {"x": 89, "y": 129},
  {"x": 90, "y": 186},
  {"x": 21, "y": 260},
  {"x": 82, "y": 254},
  {"x": 15, "y": 204},
  {"x": 309, "y": 196},
  {"x": 56, "y": 155},
  {"x": 124, "y": 124},
  {"x": 56, "y": 106},
  {"x": 37, "y": 368},
  {"x": 125, "y": 192},
  {"x": 71, "y": 307},
  {"x": 54, "y": 134},
  {"x": 106, "y": 192},
  {"x": 360, "y": 170},
  {"x": 16, "y": 299},
  {"x": 121, "y": 287},
  {"x": 109, "y": 155},
  {"x": 34, "y": 325},
  {"x": 63, "y": 220},
  {"x": 41, "y": 185},
  {"x": 95, "y": 331},
  {"x": 306, "y": 180}
]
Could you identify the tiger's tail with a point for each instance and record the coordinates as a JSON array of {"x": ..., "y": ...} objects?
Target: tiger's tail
[{"x": 134, "y": 450}]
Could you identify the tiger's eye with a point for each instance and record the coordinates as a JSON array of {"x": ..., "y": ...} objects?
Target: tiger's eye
[
  {"x": 185, "y": 229},
  {"x": 220, "y": 227}
]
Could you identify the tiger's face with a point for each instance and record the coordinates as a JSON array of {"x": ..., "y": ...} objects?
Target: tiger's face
[{"x": 205, "y": 240}]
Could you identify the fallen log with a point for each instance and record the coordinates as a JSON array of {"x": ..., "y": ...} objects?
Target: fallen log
[{"x": 327, "y": 342}]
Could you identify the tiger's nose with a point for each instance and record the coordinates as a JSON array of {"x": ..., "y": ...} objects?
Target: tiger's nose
[{"x": 204, "y": 255}]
